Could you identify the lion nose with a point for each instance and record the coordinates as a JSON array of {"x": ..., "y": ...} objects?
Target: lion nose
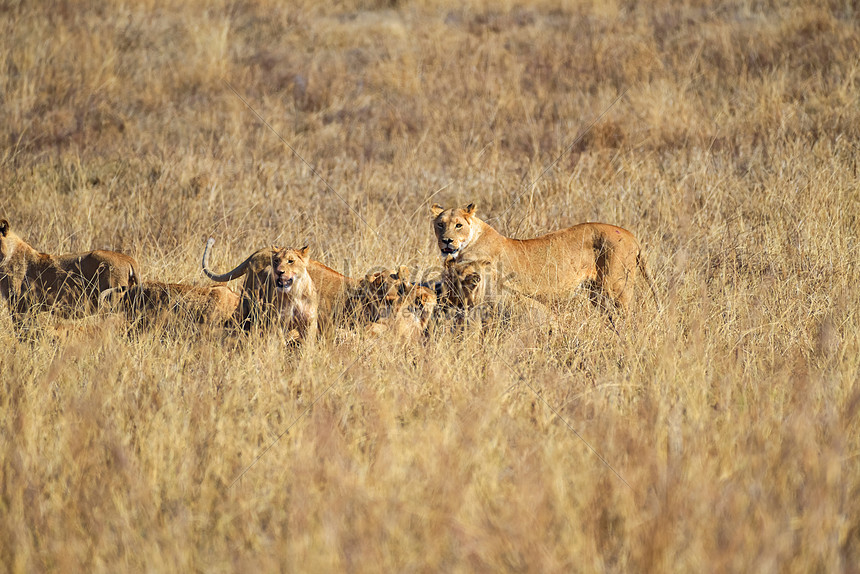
[{"x": 447, "y": 240}]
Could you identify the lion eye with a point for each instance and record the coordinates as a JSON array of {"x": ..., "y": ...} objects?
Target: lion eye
[
  {"x": 459, "y": 225},
  {"x": 290, "y": 262}
]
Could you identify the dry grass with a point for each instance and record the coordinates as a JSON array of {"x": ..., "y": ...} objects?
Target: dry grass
[{"x": 732, "y": 415}]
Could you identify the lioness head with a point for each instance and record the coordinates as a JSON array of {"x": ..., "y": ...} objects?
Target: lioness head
[
  {"x": 455, "y": 228},
  {"x": 287, "y": 266}
]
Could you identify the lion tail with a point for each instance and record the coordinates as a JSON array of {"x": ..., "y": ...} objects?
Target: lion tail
[
  {"x": 224, "y": 277},
  {"x": 109, "y": 298},
  {"x": 133, "y": 276},
  {"x": 643, "y": 267}
]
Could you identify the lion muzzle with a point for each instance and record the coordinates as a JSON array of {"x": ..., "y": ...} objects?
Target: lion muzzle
[{"x": 284, "y": 283}]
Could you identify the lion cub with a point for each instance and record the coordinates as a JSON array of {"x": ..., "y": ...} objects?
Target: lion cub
[
  {"x": 473, "y": 292},
  {"x": 465, "y": 284},
  {"x": 277, "y": 290},
  {"x": 464, "y": 289},
  {"x": 388, "y": 302}
]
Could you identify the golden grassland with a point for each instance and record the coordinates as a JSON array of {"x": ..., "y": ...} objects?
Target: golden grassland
[{"x": 719, "y": 434}]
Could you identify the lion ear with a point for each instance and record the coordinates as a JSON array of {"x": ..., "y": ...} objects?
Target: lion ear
[
  {"x": 303, "y": 252},
  {"x": 436, "y": 209},
  {"x": 403, "y": 273},
  {"x": 470, "y": 209},
  {"x": 4, "y": 227}
]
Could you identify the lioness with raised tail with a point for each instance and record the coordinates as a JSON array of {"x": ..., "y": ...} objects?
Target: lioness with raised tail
[
  {"x": 604, "y": 258},
  {"x": 277, "y": 290}
]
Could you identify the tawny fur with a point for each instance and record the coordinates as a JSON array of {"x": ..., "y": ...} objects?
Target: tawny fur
[
  {"x": 277, "y": 290},
  {"x": 147, "y": 302},
  {"x": 334, "y": 291},
  {"x": 471, "y": 291},
  {"x": 100, "y": 270},
  {"x": 389, "y": 300},
  {"x": 73, "y": 281},
  {"x": 603, "y": 257},
  {"x": 465, "y": 285}
]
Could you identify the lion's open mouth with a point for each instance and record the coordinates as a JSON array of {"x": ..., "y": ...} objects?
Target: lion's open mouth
[
  {"x": 449, "y": 250},
  {"x": 283, "y": 283}
]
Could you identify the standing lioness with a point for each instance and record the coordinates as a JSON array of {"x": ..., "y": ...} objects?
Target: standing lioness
[{"x": 603, "y": 257}]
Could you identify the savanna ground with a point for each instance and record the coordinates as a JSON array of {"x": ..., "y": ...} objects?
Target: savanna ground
[{"x": 726, "y": 426}]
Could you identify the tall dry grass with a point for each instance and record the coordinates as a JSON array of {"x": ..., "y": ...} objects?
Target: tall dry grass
[{"x": 730, "y": 418}]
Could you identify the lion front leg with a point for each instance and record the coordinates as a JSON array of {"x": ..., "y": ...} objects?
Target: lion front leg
[
  {"x": 304, "y": 325},
  {"x": 22, "y": 316},
  {"x": 249, "y": 314}
]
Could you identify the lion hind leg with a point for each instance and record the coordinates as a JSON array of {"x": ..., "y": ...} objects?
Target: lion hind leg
[{"x": 643, "y": 268}]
